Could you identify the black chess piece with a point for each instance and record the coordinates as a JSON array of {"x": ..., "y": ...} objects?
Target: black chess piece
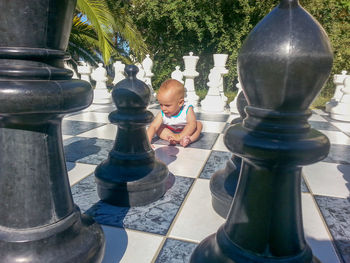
[
  {"x": 224, "y": 182},
  {"x": 38, "y": 220},
  {"x": 131, "y": 176},
  {"x": 282, "y": 64}
]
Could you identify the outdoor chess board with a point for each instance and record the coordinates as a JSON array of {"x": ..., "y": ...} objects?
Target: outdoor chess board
[{"x": 169, "y": 229}]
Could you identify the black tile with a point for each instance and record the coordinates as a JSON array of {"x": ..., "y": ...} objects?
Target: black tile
[
  {"x": 338, "y": 153},
  {"x": 216, "y": 161},
  {"x": 76, "y": 127},
  {"x": 336, "y": 212},
  {"x": 322, "y": 125},
  {"x": 176, "y": 251}
]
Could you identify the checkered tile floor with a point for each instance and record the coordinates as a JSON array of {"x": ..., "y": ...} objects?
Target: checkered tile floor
[{"x": 168, "y": 230}]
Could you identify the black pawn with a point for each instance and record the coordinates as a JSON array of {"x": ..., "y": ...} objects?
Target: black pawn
[
  {"x": 131, "y": 176},
  {"x": 223, "y": 183},
  {"x": 282, "y": 66}
]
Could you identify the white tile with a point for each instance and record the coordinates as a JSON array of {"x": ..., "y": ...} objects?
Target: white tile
[
  {"x": 219, "y": 144},
  {"x": 213, "y": 126},
  {"x": 108, "y": 132},
  {"x": 78, "y": 171},
  {"x": 126, "y": 246},
  {"x": 90, "y": 116},
  {"x": 186, "y": 162},
  {"x": 315, "y": 117},
  {"x": 95, "y": 107},
  {"x": 343, "y": 126},
  {"x": 316, "y": 233},
  {"x": 232, "y": 117},
  {"x": 197, "y": 219},
  {"x": 329, "y": 179},
  {"x": 336, "y": 137},
  {"x": 65, "y": 137},
  {"x": 320, "y": 112}
]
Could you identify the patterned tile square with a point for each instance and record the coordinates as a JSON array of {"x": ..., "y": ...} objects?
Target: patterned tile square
[
  {"x": 216, "y": 161},
  {"x": 77, "y": 127},
  {"x": 338, "y": 153},
  {"x": 87, "y": 150},
  {"x": 175, "y": 251},
  {"x": 336, "y": 212},
  {"x": 153, "y": 218}
]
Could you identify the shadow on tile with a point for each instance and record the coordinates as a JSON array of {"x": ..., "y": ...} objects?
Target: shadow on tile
[
  {"x": 345, "y": 170},
  {"x": 169, "y": 151},
  {"x": 116, "y": 244}
]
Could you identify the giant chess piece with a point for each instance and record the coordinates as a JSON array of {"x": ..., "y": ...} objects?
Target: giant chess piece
[
  {"x": 147, "y": 65},
  {"x": 341, "y": 111},
  {"x": 223, "y": 183},
  {"x": 213, "y": 101},
  {"x": 84, "y": 70},
  {"x": 338, "y": 80},
  {"x": 39, "y": 221},
  {"x": 233, "y": 105},
  {"x": 291, "y": 58},
  {"x": 190, "y": 73},
  {"x": 219, "y": 65},
  {"x": 101, "y": 94},
  {"x": 177, "y": 74},
  {"x": 131, "y": 176},
  {"x": 118, "y": 72}
]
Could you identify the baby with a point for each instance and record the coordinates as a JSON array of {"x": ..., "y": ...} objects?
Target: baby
[{"x": 176, "y": 123}]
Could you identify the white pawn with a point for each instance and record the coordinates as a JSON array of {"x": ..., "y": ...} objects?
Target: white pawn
[
  {"x": 84, "y": 70},
  {"x": 342, "y": 110},
  {"x": 177, "y": 74},
  {"x": 219, "y": 64},
  {"x": 147, "y": 65},
  {"x": 101, "y": 94},
  {"x": 233, "y": 104},
  {"x": 190, "y": 73},
  {"x": 141, "y": 74},
  {"x": 118, "y": 72},
  {"x": 213, "y": 102},
  {"x": 338, "y": 80}
]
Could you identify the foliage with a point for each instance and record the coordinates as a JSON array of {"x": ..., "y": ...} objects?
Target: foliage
[{"x": 171, "y": 29}]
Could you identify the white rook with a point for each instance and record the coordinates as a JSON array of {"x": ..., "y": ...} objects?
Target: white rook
[
  {"x": 342, "y": 110},
  {"x": 190, "y": 73}
]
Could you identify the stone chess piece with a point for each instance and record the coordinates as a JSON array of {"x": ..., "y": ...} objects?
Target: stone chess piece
[
  {"x": 264, "y": 223},
  {"x": 118, "y": 72},
  {"x": 131, "y": 176},
  {"x": 177, "y": 74},
  {"x": 39, "y": 221},
  {"x": 190, "y": 73},
  {"x": 213, "y": 101},
  {"x": 341, "y": 111},
  {"x": 147, "y": 65},
  {"x": 84, "y": 70},
  {"x": 101, "y": 94},
  {"x": 219, "y": 65}
]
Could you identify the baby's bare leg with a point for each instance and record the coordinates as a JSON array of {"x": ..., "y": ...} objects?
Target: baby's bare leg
[{"x": 166, "y": 134}]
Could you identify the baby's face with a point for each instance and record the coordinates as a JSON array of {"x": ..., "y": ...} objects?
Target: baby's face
[{"x": 169, "y": 104}]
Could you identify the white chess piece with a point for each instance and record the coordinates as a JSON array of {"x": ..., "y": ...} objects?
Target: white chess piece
[
  {"x": 219, "y": 64},
  {"x": 190, "y": 73},
  {"x": 84, "y": 70},
  {"x": 147, "y": 65},
  {"x": 101, "y": 94},
  {"x": 67, "y": 66},
  {"x": 338, "y": 80},
  {"x": 177, "y": 74},
  {"x": 213, "y": 101},
  {"x": 141, "y": 74},
  {"x": 233, "y": 104},
  {"x": 342, "y": 110},
  {"x": 118, "y": 72}
]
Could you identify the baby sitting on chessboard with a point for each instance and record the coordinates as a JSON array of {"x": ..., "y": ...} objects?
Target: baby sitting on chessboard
[{"x": 176, "y": 122}]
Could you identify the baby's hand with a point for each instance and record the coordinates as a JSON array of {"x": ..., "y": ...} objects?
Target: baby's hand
[{"x": 172, "y": 140}]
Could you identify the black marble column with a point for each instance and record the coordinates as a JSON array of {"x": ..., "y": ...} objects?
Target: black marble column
[
  {"x": 224, "y": 182},
  {"x": 283, "y": 64},
  {"x": 39, "y": 221},
  {"x": 131, "y": 176}
]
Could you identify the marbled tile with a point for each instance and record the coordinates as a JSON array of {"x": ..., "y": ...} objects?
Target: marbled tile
[
  {"x": 213, "y": 126},
  {"x": 77, "y": 127},
  {"x": 100, "y": 117},
  {"x": 304, "y": 188},
  {"x": 343, "y": 126},
  {"x": 106, "y": 109},
  {"x": 85, "y": 193},
  {"x": 316, "y": 117},
  {"x": 108, "y": 132},
  {"x": 176, "y": 251},
  {"x": 212, "y": 117},
  {"x": 219, "y": 144},
  {"x": 316, "y": 233},
  {"x": 87, "y": 150},
  {"x": 338, "y": 154},
  {"x": 78, "y": 171},
  {"x": 206, "y": 141},
  {"x": 336, "y": 212},
  {"x": 328, "y": 179},
  {"x": 337, "y": 137},
  {"x": 127, "y": 246},
  {"x": 153, "y": 218},
  {"x": 323, "y": 125},
  {"x": 216, "y": 161},
  {"x": 197, "y": 218},
  {"x": 182, "y": 161}
]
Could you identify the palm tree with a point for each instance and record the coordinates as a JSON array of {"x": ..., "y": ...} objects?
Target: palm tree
[{"x": 102, "y": 29}]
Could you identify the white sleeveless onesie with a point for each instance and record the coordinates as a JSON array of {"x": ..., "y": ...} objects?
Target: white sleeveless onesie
[{"x": 176, "y": 123}]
